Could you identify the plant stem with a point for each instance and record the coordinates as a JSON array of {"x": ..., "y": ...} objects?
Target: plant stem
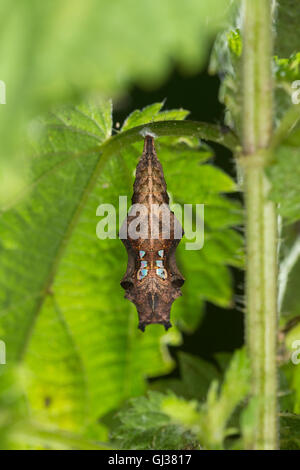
[{"x": 261, "y": 221}]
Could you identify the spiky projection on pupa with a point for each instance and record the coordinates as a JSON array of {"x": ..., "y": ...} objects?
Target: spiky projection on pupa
[{"x": 151, "y": 234}]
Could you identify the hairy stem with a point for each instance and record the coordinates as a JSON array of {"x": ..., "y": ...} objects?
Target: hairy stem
[{"x": 261, "y": 222}]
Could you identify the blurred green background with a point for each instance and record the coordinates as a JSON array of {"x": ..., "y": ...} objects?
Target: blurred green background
[{"x": 58, "y": 51}]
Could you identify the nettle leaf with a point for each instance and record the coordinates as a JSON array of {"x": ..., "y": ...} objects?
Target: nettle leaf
[
  {"x": 19, "y": 431},
  {"x": 291, "y": 368},
  {"x": 226, "y": 60},
  {"x": 209, "y": 278},
  {"x": 196, "y": 376},
  {"x": 289, "y": 304},
  {"x": 197, "y": 183},
  {"x": 153, "y": 113},
  {"x": 208, "y": 421},
  {"x": 62, "y": 310},
  {"x": 287, "y": 73},
  {"x": 13, "y": 408},
  {"x": 289, "y": 273},
  {"x": 142, "y": 425},
  {"x": 287, "y": 38},
  {"x": 284, "y": 175},
  {"x": 58, "y": 314},
  {"x": 63, "y": 51},
  {"x": 289, "y": 431},
  {"x": 287, "y": 70}
]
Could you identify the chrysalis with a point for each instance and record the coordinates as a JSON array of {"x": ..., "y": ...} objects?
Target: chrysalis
[{"x": 152, "y": 280}]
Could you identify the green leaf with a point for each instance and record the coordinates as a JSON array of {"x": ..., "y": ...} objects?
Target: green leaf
[
  {"x": 74, "y": 335},
  {"x": 286, "y": 394},
  {"x": 284, "y": 174},
  {"x": 223, "y": 360},
  {"x": 293, "y": 137},
  {"x": 142, "y": 425},
  {"x": 55, "y": 52},
  {"x": 208, "y": 420},
  {"x": 289, "y": 275},
  {"x": 289, "y": 307},
  {"x": 12, "y": 405},
  {"x": 196, "y": 377},
  {"x": 291, "y": 369},
  {"x": 152, "y": 113},
  {"x": 18, "y": 431},
  {"x": 287, "y": 39},
  {"x": 286, "y": 71},
  {"x": 289, "y": 431},
  {"x": 226, "y": 60},
  {"x": 63, "y": 314}
]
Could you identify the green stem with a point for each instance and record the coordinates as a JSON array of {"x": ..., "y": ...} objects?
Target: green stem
[
  {"x": 201, "y": 130},
  {"x": 261, "y": 222}
]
